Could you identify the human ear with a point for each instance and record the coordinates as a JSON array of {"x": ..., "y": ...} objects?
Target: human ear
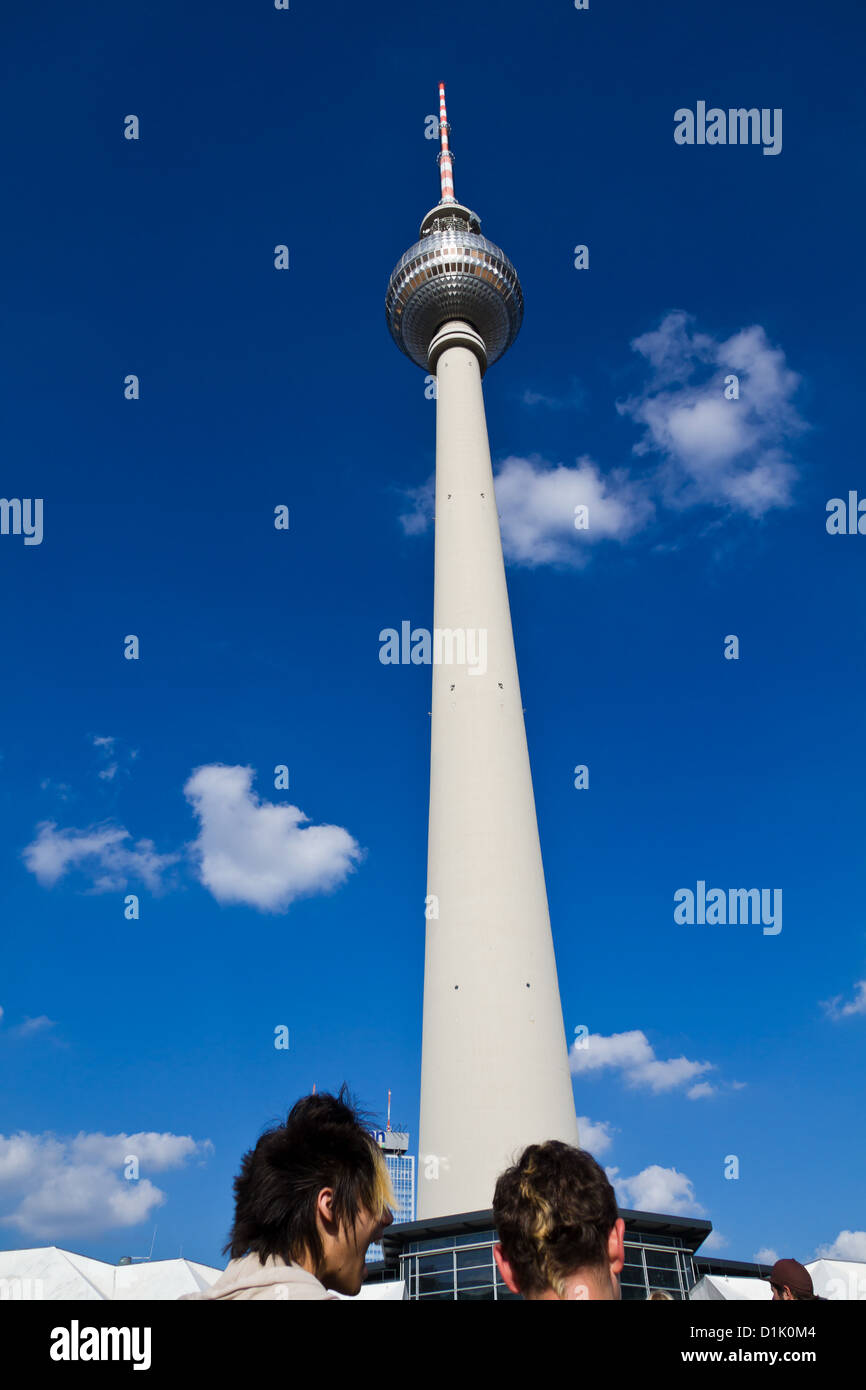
[{"x": 505, "y": 1268}]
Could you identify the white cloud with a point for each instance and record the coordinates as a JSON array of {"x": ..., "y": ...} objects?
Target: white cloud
[
  {"x": 32, "y": 1025},
  {"x": 726, "y": 453},
  {"x": 836, "y": 1009},
  {"x": 537, "y": 502},
  {"x": 848, "y": 1245},
  {"x": 422, "y": 500},
  {"x": 595, "y": 1135},
  {"x": 765, "y": 1256},
  {"x": 632, "y": 1054},
  {"x": 29, "y": 1026},
  {"x": 258, "y": 853},
  {"x": 703, "y": 1088},
  {"x": 537, "y": 510},
  {"x": 114, "y": 755},
  {"x": 658, "y": 1189},
  {"x": 53, "y": 1189},
  {"x": 59, "y": 789},
  {"x": 709, "y": 451},
  {"x": 714, "y": 1241},
  {"x": 100, "y": 852},
  {"x": 574, "y": 399}
]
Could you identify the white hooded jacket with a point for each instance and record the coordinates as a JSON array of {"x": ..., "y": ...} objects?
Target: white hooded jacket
[{"x": 249, "y": 1278}]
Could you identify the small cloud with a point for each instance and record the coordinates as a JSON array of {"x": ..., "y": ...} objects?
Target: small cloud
[
  {"x": 421, "y": 506},
  {"x": 100, "y": 852},
  {"x": 703, "y": 1088},
  {"x": 765, "y": 1256},
  {"x": 657, "y": 1189},
  {"x": 632, "y": 1055},
  {"x": 574, "y": 398},
  {"x": 114, "y": 755},
  {"x": 595, "y": 1135},
  {"x": 715, "y": 451},
  {"x": 848, "y": 1245},
  {"x": 538, "y": 507},
  {"x": 538, "y": 504},
  {"x": 836, "y": 1009},
  {"x": 61, "y": 790},
  {"x": 715, "y": 1241},
  {"x": 261, "y": 854},
  {"x": 31, "y": 1026}
]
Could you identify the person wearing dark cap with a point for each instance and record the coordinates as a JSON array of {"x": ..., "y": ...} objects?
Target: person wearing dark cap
[{"x": 791, "y": 1282}]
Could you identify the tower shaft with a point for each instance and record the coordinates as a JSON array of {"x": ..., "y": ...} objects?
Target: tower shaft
[{"x": 494, "y": 1072}]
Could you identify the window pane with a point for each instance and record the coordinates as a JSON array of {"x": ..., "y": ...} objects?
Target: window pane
[
  {"x": 432, "y": 1283},
  {"x": 467, "y": 1258},
  {"x": 434, "y": 1264},
  {"x": 661, "y": 1259}
]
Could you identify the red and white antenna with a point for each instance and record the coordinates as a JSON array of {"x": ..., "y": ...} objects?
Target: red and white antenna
[{"x": 446, "y": 171}]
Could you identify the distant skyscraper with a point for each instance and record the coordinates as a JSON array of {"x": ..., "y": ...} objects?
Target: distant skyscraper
[
  {"x": 494, "y": 1070},
  {"x": 401, "y": 1166}
]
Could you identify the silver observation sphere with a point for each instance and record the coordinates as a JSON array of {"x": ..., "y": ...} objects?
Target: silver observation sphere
[{"x": 453, "y": 272}]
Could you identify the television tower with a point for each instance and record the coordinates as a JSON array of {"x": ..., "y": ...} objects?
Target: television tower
[{"x": 494, "y": 1067}]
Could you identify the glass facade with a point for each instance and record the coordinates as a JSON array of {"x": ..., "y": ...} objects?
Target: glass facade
[
  {"x": 463, "y": 1267},
  {"x": 650, "y": 1265}
]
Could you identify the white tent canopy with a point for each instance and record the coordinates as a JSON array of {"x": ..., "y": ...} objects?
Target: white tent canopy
[
  {"x": 833, "y": 1279},
  {"x": 51, "y": 1273},
  {"x": 839, "y": 1278},
  {"x": 393, "y": 1291},
  {"x": 48, "y": 1272},
  {"x": 729, "y": 1288}
]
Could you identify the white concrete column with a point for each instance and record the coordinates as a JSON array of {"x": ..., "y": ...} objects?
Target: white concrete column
[{"x": 494, "y": 1071}]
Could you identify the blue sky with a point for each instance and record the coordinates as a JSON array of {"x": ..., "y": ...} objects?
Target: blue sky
[{"x": 259, "y": 647}]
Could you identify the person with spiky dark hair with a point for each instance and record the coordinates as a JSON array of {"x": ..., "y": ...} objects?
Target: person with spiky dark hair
[{"x": 310, "y": 1198}]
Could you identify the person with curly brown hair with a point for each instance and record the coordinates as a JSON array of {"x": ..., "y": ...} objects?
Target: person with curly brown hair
[{"x": 560, "y": 1233}]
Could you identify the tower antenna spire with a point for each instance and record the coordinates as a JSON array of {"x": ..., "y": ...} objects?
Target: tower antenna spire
[{"x": 446, "y": 171}]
